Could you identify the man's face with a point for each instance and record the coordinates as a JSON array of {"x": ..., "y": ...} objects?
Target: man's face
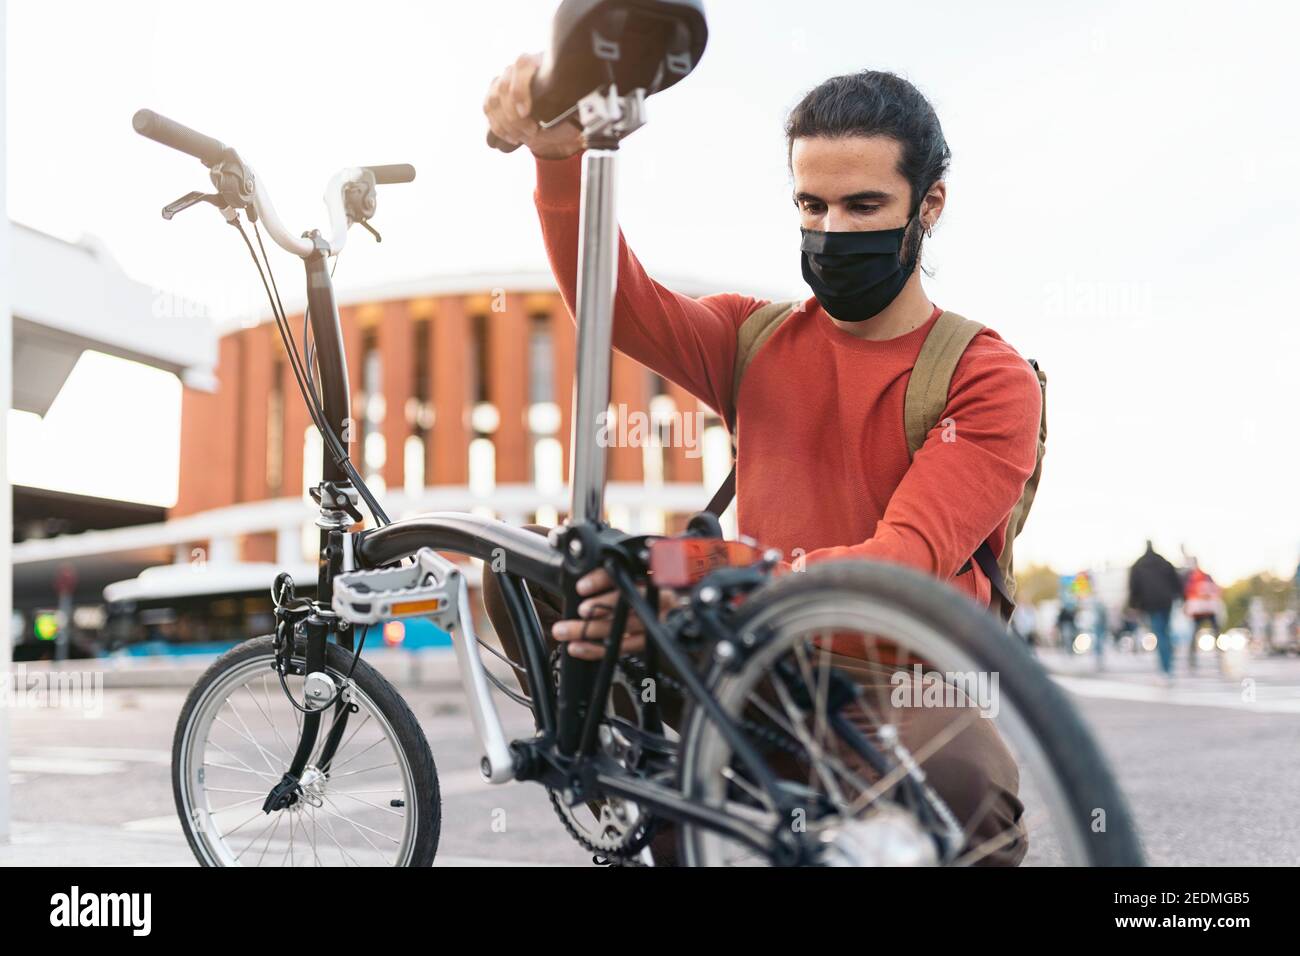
[{"x": 849, "y": 184}]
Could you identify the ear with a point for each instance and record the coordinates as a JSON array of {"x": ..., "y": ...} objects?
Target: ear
[{"x": 933, "y": 203}]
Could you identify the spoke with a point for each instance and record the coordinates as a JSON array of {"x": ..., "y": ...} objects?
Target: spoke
[
  {"x": 267, "y": 715},
  {"x": 278, "y": 818},
  {"x": 266, "y": 754},
  {"x": 996, "y": 842},
  {"x": 360, "y": 829},
  {"x": 348, "y": 820},
  {"x": 341, "y": 793},
  {"x": 262, "y": 751},
  {"x": 378, "y": 740},
  {"x": 272, "y": 826},
  {"x": 748, "y": 787},
  {"x": 352, "y": 736},
  {"x": 391, "y": 763},
  {"x": 311, "y": 834},
  {"x": 832, "y": 789},
  {"x": 221, "y": 766},
  {"x": 228, "y": 833},
  {"x": 240, "y": 760},
  {"x": 919, "y": 758},
  {"x": 329, "y": 831},
  {"x": 260, "y": 798}
]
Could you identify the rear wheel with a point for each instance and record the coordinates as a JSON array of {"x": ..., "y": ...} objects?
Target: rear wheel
[
  {"x": 844, "y": 641},
  {"x": 375, "y": 803}
]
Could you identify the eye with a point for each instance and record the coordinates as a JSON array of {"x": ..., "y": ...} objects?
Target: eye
[
  {"x": 865, "y": 208},
  {"x": 811, "y": 206}
]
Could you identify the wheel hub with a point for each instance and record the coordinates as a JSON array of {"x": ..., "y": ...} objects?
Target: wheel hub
[{"x": 889, "y": 836}]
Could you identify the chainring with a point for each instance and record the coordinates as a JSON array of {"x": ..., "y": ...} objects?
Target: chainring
[{"x": 611, "y": 827}]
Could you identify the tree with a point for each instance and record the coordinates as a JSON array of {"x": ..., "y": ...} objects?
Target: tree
[
  {"x": 1038, "y": 582},
  {"x": 1278, "y": 595}
]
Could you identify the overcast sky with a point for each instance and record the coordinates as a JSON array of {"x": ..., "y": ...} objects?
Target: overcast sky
[{"x": 1122, "y": 203}]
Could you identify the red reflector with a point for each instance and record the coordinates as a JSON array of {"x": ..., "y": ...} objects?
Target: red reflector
[
  {"x": 394, "y": 633},
  {"x": 681, "y": 562}
]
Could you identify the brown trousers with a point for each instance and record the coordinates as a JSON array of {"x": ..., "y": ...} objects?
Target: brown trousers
[{"x": 973, "y": 772}]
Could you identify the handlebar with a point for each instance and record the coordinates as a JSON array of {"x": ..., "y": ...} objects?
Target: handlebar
[
  {"x": 392, "y": 173},
  {"x": 249, "y": 189},
  {"x": 173, "y": 134}
]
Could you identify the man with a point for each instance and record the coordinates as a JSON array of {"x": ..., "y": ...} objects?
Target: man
[
  {"x": 826, "y": 471},
  {"x": 1153, "y": 586}
]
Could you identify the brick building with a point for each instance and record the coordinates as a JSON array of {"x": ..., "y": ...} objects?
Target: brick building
[{"x": 461, "y": 394}]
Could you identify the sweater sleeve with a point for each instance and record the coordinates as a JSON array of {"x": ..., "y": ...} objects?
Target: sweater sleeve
[
  {"x": 970, "y": 472},
  {"x": 689, "y": 341}
]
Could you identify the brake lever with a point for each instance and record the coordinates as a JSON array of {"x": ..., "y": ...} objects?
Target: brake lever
[{"x": 188, "y": 200}]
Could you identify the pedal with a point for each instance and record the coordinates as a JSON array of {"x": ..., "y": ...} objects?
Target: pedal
[{"x": 429, "y": 587}]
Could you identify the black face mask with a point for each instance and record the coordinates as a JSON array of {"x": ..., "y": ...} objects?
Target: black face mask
[{"x": 855, "y": 275}]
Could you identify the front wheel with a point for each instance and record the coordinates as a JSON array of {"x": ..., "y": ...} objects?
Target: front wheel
[
  {"x": 905, "y": 726},
  {"x": 375, "y": 802}
]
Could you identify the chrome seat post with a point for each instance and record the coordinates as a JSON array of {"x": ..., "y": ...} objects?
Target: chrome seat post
[{"x": 606, "y": 118}]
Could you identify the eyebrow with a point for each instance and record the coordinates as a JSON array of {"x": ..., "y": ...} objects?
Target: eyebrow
[{"x": 871, "y": 195}]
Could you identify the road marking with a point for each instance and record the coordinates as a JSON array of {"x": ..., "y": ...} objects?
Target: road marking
[
  {"x": 129, "y": 754},
  {"x": 1183, "y": 697},
  {"x": 168, "y": 823},
  {"x": 74, "y": 766}
]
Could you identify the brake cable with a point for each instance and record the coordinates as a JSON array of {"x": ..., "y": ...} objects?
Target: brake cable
[{"x": 303, "y": 376}]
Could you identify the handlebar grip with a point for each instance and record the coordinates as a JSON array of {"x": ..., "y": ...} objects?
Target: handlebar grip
[
  {"x": 496, "y": 142},
  {"x": 171, "y": 133},
  {"x": 392, "y": 173}
]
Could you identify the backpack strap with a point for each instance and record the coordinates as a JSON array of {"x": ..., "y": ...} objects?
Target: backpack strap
[
  {"x": 753, "y": 332},
  {"x": 923, "y": 408},
  {"x": 927, "y": 389}
]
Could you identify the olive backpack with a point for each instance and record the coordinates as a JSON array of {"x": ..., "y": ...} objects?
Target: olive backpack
[{"x": 923, "y": 407}]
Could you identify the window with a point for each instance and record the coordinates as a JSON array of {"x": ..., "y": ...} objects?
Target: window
[
  {"x": 374, "y": 451},
  {"x": 413, "y": 465},
  {"x": 478, "y": 360},
  {"x": 275, "y": 432},
  {"x": 541, "y": 361}
]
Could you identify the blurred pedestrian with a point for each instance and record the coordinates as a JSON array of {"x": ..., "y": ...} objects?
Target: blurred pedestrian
[
  {"x": 1153, "y": 587},
  {"x": 1024, "y": 623},
  {"x": 1202, "y": 598},
  {"x": 1100, "y": 629}
]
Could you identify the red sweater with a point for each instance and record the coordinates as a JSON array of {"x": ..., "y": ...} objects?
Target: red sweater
[{"x": 824, "y": 470}]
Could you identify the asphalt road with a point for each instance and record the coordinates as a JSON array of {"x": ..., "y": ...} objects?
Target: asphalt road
[{"x": 1212, "y": 772}]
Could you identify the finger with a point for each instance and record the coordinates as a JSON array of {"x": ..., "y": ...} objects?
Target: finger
[
  {"x": 493, "y": 110},
  {"x": 521, "y": 84},
  {"x": 593, "y": 582},
  {"x": 585, "y": 650},
  {"x": 591, "y": 651},
  {"x": 565, "y": 631},
  {"x": 600, "y": 610},
  {"x": 505, "y": 118}
]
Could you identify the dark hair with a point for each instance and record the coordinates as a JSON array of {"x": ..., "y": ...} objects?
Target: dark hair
[{"x": 875, "y": 103}]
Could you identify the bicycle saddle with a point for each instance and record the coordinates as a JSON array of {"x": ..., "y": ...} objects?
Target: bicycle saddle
[{"x": 647, "y": 44}]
